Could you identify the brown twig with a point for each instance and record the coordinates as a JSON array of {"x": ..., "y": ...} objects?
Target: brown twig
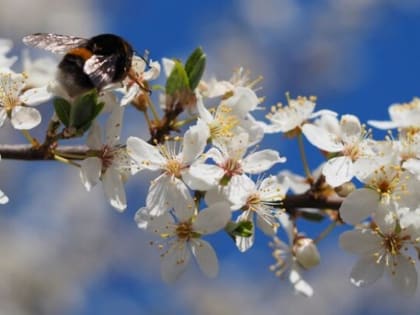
[{"x": 29, "y": 153}]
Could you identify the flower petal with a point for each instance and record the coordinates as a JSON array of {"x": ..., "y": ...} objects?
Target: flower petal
[
  {"x": 300, "y": 285},
  {"x": 404, "y": 279},
  {"x": 273, "y": 188},
  {"x": 359, "y": 205},
  {"x": 146, "y": 155},
  {"x": 338, "y": 171},
  {"x": 201, "y": 176},
  {"x": 361, "y": 242},
  {"x": 90, "y": 172},
  {"x": 174, "y": 262},
  {"x": 206, "y": 257},
  {"x": 3, "y": 198},
  {"x": 94, "y": 140},
  {"x": 239, "y": 190},
  {"x": 321, "y": 138},
  {"x": 261, "y": 161},
  {"x": 242, "y": 101},
  {"x": 25, "y": 118},
  {"x": 3, "y": 116},
  {"x": 113, "y": 126},
  {"x": 383, "y": 124},
  {"x": 194, "y": 142},
  {"x": 114, "y": 189},
  {"x": 157, "y": 200},
  {"x": 180, "y": 199},
  {"x": 213, "y": 218},
  {"x": 366, "y": 271},
  {"x": 268, "y": 225},
  {"x": 245, "y": 243},
  {"x": 157, "y": 225},
  {"x": 351, "y": 129},
  {"x": 36, "y": 96}
]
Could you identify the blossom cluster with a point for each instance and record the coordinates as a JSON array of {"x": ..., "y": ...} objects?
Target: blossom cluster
[{"x": 211, "y": 174}]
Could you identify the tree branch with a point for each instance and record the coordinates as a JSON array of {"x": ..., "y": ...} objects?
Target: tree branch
[
  {"x": 307, "y": 200},
  {"x": 28, "y": 153}
]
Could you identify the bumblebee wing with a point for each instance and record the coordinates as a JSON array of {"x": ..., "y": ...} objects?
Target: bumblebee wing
[
  {"x": 58, "y": 44},
  {"x": 100, "y": 69}
]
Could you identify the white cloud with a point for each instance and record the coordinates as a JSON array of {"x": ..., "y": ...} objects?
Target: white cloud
[{"x": 76, "y": 17}]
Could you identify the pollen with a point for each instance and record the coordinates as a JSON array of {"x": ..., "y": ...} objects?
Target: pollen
[
  {"x": 253, "y": 202},
  {"x": 352, "y": 151},
  {"x": 10, "y": 90},
  {"x": 224, "y": 122},
  {"x": 174, "y": 167}
]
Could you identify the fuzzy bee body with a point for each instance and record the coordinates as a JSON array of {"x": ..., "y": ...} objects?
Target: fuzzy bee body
[{"x": 88, "y": 63}]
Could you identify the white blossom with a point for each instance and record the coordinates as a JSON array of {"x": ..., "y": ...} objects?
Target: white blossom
[
  {"x": 382, "y": 248},
  {"x": 293, "y": 116},
  {"x": 286, "y": 262},
  {"x": 348, "y": 141},
  {"x": 403, "y": 115},
  {"x": 16, "y": 103},
  {"x": 230, "y": 166},
  {"x": 173, "y": 162},
  {"x": 232, "y": 117},
  {"x": 131, "y": 89},
  {"x": 386, "y": 185},
  {"x": 182, "y": 232},
  {"x": 109, "y": 162},
  {"x": 256, "y": 200}
]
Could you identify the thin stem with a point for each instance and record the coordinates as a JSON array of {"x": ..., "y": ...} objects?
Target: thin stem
[
  {"x": 152, "y": 107},
  {"x": 303, "y": 156},
  {"x": 69, "y": 155},
  {"x": 65, "y": 161},
  {"x": 181, "y": 123},
  {"x": 146, "y": 116},
  {"x": 30, "y": 139},
  {"x": 325, "y": 232}
]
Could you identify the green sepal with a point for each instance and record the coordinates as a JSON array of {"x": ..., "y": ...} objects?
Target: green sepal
[
  {"x": 84, "y": 110},
  {"x": 62, "y": 109},
  {"x": 239, "y": 229},
  {"x": 194, "y": 67},
  {"x": 177, "y": 80}
]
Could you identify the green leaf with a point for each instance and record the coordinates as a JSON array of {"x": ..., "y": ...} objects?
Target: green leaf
[
  {"x": 84, "y": 110},
  {"x": 177, "y": 80},
  {"x": 62, "y": 109},
  {"x": 194, "y": 67},
  {"x": 242, "y": 229},
  {"x": 98, "y": 108}
]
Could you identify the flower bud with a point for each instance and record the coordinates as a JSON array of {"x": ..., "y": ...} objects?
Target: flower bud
[
  {"x": 306, "y": 252},
  {"x": 345, "y": 189}
]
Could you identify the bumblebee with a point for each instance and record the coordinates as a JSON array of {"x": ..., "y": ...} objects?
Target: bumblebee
[{"x": 87, "y": 63}]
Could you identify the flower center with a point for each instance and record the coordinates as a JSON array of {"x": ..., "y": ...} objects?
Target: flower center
[
  {"x": 252, "y": 202},
  {"x": 393, "y": 243},
  {"x": 174, "y": 167},
  {"x": 107, "y": 155},
  {"x": 232, "y": 167},
  {"x": 9, "y": 92},
  {"x": 184, "y": 231},
  {"x": 223, "y": 123},
  {"x": 352, "y": 151},
  {"x": 387, "y": 181}
]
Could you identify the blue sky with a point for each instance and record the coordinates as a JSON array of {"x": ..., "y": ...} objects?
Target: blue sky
[{"x": 357, "y": 57}]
